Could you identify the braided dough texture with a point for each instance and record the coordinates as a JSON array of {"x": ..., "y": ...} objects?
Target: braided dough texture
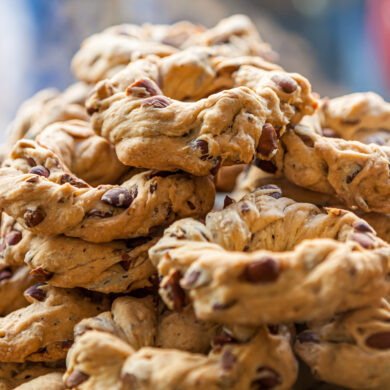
[
  {"x": 230, "y": 127},
  {"x": 15, "y": 241},
  {"x": 48, "y": 200},
  {"x": 100, "y": 361},
  {"x": 144, "y": 322},
  {"x": 114, "y": 267},
  {"x": 351, "y": 349},
  {"x": 102, "y": 55},
  {"x": 356, "y": 173},
  {"x": 266, "y": 258},
  {"x": 88, "y": 156},
  {"x": 363, "y": 117},
  {"x": 190, "y": 74},
  {"x": 43, "y": 331},
  {"x": 254, "y": 177}
]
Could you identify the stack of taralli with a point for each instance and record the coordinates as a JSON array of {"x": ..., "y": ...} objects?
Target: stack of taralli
[{"x": 119, "y": 272}]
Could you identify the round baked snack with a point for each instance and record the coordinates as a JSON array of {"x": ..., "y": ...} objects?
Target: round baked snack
[
  {"x": 254, "y": 177},
  {"x": 233, "y": 36},
  {"x": 46, "y": 107},
  {"x": 24, "y": 375},
  {"x": 363, "y": 117},
  {"x": 242, "y": 359},
  {"x": 146, "y": 322},
  {"x": 102, "y": 55},
  {"x": 352, "y": 349},
  {"x": 229, "y": 127},
  {"x": 114, "y": 267},
  {"x": 37, "y": 190},
  {"x": 192, "y": 74},
  {"x": 43, "y": 331},
  {"x": 90, "y": 157},
  {"x": 356, "y": 173},
  {"x": 268, "y": 259}
]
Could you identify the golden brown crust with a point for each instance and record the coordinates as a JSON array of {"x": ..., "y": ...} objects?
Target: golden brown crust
[
  {"x": 143, "y": 322},
  {"x": 102, "y": 55},
  {"x": 356, "y": 173},
  {"x": 100, "y": 361},
  {"x": 88, "y": 156},
  {"x": 104, "y": 167},
  {"x": 47, "y": 199},
  {"x": 363, "y": 117},
  {"x": 95, "y": 362},
  {"x": 43, "y": 331},
  {"x": 351, "y": 349},
  {"x": 225, "y": 128},
  {"x": 14, "y": 281},
  {"x": 14, "y": 241},
  {"x": 265, "y": 259},
  {"x": 114, "y": 267},
  {"x": 254, "y": 177},
  {"x": 14, "y": 275},
  {"x": 233, "y": 36}
]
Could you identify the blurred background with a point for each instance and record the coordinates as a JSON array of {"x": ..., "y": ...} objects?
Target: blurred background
[{"x": 342, "y": 46}]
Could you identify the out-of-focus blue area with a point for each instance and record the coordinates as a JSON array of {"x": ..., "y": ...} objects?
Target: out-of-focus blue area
[
  {"x": 326, "y": 40},
  {"x": 340, "y": 43},
  {"x": 53, "y": 42}
]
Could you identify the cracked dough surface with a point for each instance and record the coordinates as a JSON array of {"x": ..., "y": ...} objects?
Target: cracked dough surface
[
  {"x": 253, "y": 178},
  {"x": 355, "y": 172},
  {"x": 104, "y": 54},
  {"x": 352, "y": 349},
  {"x": 254, "y": 357},
  {"x": 143, "y": 322},
  {"x": 363, "y": 117},
  {"x": 272, "y": 253},
  {"x": 224, "y": 128},
  {"x": 37, "y": 190},
  {"x": 88, "y": 156},
  {"x": 43, "y": 330}
]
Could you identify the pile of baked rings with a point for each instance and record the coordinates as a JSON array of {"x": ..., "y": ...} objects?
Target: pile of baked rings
[{"x": 120, "y": 271}]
